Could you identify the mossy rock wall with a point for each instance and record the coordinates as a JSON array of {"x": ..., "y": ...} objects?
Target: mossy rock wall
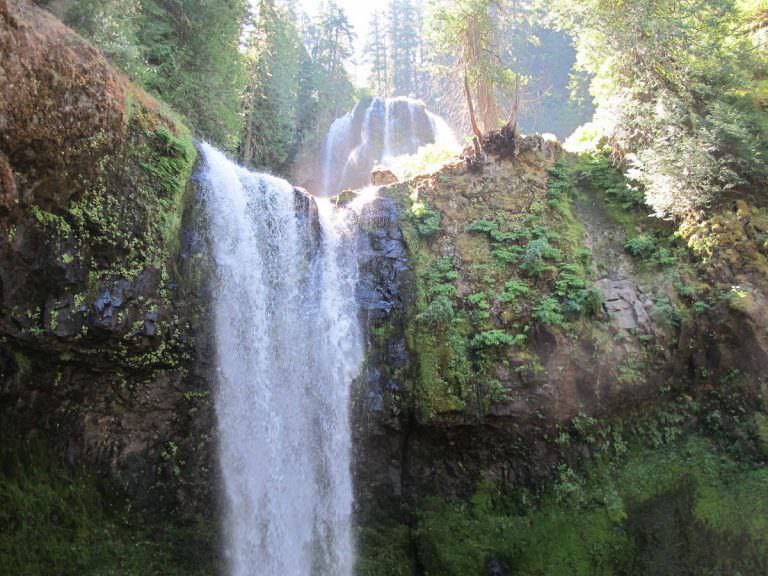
[
  {"x": 539, "y": 318},
  {"x": 103, "y": 338}
]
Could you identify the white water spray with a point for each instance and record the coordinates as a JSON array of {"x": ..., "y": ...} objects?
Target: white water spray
[
  {"x": 288, "y": 346},
  {"x": 377, "y": 131}
]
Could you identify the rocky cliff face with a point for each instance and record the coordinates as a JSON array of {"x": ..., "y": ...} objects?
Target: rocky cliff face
[
  {"x": 99, "y": 301},
  {"x": 520, "y": 312},
  {"x": 505, "y": 304}
]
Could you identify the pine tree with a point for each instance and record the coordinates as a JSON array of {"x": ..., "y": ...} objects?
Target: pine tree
[
  {"x": 471, "y": 32},
  {"x": 184, "y": 51},
  {"x": 680, "y": 93},
  {"x": 271, "y": 103},
  {"x": 197, "y": 67},
  {"x": 331, "y": 50},
  {"x": 376, "y": 55},
  {"x": 403, "y": 44}
]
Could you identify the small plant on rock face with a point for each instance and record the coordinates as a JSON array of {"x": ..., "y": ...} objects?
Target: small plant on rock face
[
  {"x": 549, "y": 311},
  {"x": 496, "y": 391},
  {"x": 700, "y": 307},
  {"x": 496, "y": 338},
  {"x": 512, "y": 235},
  {"x": 591, "y": 301},
  {"x": 484, "y": 226},
  {"x": 479, "y": 302},
  {"x": 507, "y": 254},
  {"x": 665, "y": 312},
  {"x": 643, "y": 246},
  {"x": 570, "y": 280},
  {"x": 438, "y": 312},
  {"x": 537, "y": 252},
  {"x": 428, "y": 223},
  {"x": 513, "y": 289}
]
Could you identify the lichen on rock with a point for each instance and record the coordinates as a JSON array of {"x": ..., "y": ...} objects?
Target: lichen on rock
[
  {"x": 98, "y": 297},
  {"x": 542, "y": 311}
]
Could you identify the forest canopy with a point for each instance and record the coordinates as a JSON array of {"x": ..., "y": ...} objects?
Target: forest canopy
[{"x": 678, "y": 88}]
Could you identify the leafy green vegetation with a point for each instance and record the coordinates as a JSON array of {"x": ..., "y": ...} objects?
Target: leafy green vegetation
[
  {"x": 268, "y": 101},
  {"x": 443, "y": 370},
  {"x": 427, "y": 220},
  {"x": 684, "y": 508},
  {"x": 553, "y": 267},
  {"x": 185, "y": 53},
  {"x": 654, "y": 496},
  {"x": 69, "y": 521},
  {"x": 493, "y": 338},
  {"x": 298, "y": 83},
  {"x": 156, "y": 162},
  {"x": 680, "y": 103}
]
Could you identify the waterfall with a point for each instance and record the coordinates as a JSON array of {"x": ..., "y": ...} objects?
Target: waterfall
[
  {"x": 288, "y": 345},
  {"x": 377, "y": 131},
  {"x": 331, "y": 148}
]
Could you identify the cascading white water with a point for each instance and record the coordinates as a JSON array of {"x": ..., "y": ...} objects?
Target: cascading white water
[
  {"x": 333, "y": 143},
  {"x": 377, "y": 131},
  {"x": 288, "y": 346}
]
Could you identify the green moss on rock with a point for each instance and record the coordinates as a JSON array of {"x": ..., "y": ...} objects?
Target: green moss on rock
[{"x": 69, "y": 521}]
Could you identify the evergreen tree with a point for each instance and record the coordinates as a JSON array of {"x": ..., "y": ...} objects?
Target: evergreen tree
[
  {"x": 680, "y": 93},
  {"x": 113, "y": 26},
  {"x": 376, "y": 55},
  {"x": 275, "y": 55},
  {"x": 192, "y": 47},
  {"x": 470, "y": 32},
  {"x": 518, "y": 68},
  {"x": 331, "y": 50},
  {"x": 184, "y": 51},
  {"x": 403, "y": 46},
  {"x": 298, "y": 83}
]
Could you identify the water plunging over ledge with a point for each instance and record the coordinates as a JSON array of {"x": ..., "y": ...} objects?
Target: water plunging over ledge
[
  {"x": 288, "y": 346},
  {"x": 377, "y": 131}
]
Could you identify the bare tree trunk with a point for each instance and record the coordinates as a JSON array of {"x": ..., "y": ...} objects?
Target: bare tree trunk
[
  {"x": 511, "y": 125},
  {"x": 246, "y": 145},
  {"x": 471, "y": 107},
  {"x": 487, "y": 114}
]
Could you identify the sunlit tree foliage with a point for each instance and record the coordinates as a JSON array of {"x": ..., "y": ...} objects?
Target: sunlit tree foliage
[{"x": 680, "y": 91}]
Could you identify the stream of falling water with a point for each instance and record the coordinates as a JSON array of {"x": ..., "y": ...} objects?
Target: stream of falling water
[
  {"x": 288, "y": 346},
  {"x": 377, "y": 131}
]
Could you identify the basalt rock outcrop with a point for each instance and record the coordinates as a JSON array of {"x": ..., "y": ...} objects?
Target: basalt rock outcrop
[
  {"x": 100, "y": 282},
  {"x": 506, "y": 310}
]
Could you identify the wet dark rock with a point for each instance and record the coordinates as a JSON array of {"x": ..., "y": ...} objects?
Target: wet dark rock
[
  {"x": 150, "y": 324},
  {"x": 393, "y": 387},
  {"x": 96, "y": 336},
  {"x": 375, "y": 401},
  {"x": 306, "y": 207},
  {"x": 385, "y": 293},
  {"x": 383, "y": 260},
  {"x": 9, "y": 195},
  {"x": 397, "y": 353},
  {"x": 192, "y": 243}
]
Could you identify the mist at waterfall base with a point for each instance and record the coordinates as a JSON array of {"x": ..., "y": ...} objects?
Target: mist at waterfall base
[
  {"x": 377, "y": 132},
  {"x": 288, "y": 345}
]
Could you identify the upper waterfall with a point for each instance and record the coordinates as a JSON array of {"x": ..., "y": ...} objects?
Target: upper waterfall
[
  {"x": 377, "y": 131},
  {"x": 288, "y": 346}
]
